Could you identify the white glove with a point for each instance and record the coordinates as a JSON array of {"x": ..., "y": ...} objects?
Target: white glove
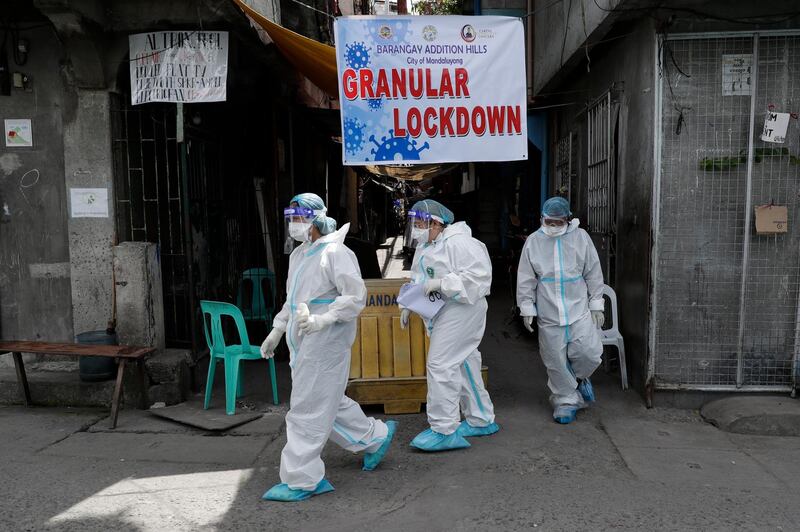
[
  {"x": 314, "y": 322},
  {"x": 269, "y": 345},
  {"x": 527, "y": 321},
  {"x": 599, "y": 318},
  {"x": 405, "y": 315},
  {"x": 433, "y": 285}
]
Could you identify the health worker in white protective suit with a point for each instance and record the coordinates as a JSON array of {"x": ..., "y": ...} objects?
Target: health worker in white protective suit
[
  {"x": 560, "y": 283},
  {"x": 449, "y": 262},
  {"x": 325, "y": 295}
]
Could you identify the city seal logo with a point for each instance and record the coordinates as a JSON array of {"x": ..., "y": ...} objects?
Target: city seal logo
[
  {"x": 468, "y": 33},
  {"x": 385, "y": 32},
  {"x": 429, "y": 33}
]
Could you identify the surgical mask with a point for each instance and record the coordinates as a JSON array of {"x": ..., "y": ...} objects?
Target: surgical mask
[
  {"x": 554, "y": 231},
  {"x": 421, "y": 236},
  {"x": 299, "y": 231}
]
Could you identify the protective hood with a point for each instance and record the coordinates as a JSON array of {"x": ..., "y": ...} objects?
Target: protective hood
[
  {"x": 458, "y": 228},
  {"x": 573, "y": 225},
  {"x": 337, "y": 236}
]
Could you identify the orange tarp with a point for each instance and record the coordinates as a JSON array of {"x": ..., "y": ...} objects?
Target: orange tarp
[{"x": 314, "y": 60}]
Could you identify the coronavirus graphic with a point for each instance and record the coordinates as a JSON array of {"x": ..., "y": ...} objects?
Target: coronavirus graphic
[
  {"x": 393, "y": 148},
  {"x": 375, "y": 104},
  {"x": 357, "y": 55},
  {"x": 353, "y": 135}
]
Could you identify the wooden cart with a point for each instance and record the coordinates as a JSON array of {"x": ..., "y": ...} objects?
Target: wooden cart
[{"x": 387, "y": 365}]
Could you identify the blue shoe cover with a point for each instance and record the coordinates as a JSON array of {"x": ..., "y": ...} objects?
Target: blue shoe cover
[
  {"x": 431, "y": 441},
  {"x": 371, "y": 460},
  {"x": 468, "y": 431},
  {"x": 586, "y": 390},
  {"x": 565, "y": 414},
  {"x": 283, "y": 493}
]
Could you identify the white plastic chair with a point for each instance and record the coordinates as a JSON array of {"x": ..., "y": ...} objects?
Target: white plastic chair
[{"x": 612, "y": 336}]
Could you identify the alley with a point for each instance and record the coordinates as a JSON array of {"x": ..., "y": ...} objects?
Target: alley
[
  {"x": 620, "y": 466},
  {"x": 196, "y": 193}
]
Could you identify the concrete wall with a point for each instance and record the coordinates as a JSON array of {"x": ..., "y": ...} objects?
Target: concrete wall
[
  {"x": 87, "y": 156},
  {"x": 504, "y": 7},
  {"x": 628, "y": 64},
  {"x": 577, "y": 19},
  {"x": 35, "y": 294},
  {"x": 562, "y": 28},
  {"x": 140, "y": 298}
]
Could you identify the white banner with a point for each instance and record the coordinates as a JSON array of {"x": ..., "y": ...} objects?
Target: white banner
[
  {"x": 178, "y": 66},
  {"x": 431, "y": 89}
]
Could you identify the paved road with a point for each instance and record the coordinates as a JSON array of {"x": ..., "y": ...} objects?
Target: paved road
[{"x": 619, "y": 467}]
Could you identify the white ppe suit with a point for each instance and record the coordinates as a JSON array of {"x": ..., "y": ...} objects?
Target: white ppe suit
[
  {"x": 559, "y": 280},
  {"x": 454, "y": 362},
  {"x": 325, "y": 276}
]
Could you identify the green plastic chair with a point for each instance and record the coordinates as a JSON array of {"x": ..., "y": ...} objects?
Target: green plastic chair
[
  {"x": 252, "y": 289},
  {"x": 230, "y": 354}
]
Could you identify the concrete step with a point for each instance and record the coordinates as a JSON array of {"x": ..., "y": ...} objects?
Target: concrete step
[
  {"x": 754, "y": 414},
  {"x": 55, "y": 388},
  {"x": 57, "y": 382}
]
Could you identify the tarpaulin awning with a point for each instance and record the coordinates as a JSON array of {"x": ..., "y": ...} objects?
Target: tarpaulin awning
[{"x": 314, "y": 60}]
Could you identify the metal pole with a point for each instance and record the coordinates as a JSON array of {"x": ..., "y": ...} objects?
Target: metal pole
[
  {"x": 187, "y": 227},
  {"x": 608, "y": 203},
  {"x": 796, "y": 354},
  {"x": 747, "y": 216},
  {"x": 655, "y": 205}
]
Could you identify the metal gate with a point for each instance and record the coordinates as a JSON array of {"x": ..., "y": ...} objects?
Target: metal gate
[
  {"x": 147, "y": 188},
  {"x": 600, "y": 171},
  {"x": 725, "y": 305},
  {"x": 149, "y": 205},
  {"x": 564, "y": 166}
]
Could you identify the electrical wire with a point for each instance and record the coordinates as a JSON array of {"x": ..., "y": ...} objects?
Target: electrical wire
[
  {"x": 664, "y": 48},
  {"x": 312, "y": 8},
  {"x": 751, "y": 19},
  {"x": 566, "y": 31},
  {"x": 551, "y": 4},
  {"x": 568, "y": 104}
]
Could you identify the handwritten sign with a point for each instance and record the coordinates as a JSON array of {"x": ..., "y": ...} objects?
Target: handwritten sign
[
  {"x": 178, "y": 66},
  {"x": 736, "y": 70},
  {"x": 775, "y": 127}
]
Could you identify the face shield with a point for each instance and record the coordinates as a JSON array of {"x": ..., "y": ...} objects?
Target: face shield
[
  {"x": 418, "y": 228},
  {"x": 298, "y": 223}
]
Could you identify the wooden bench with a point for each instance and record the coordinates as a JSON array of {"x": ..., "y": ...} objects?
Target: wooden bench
[{"x": 122, "y": 354}]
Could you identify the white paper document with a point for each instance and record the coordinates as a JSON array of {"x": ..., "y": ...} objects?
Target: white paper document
[
  {"x": 775, "y": 127},
  {"x": 412, "y": 296}
]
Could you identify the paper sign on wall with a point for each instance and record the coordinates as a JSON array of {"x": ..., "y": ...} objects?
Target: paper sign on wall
[
  {"x": 19, "y": 133},
  {"x": 736, "y": 80},
  {"x": 772, "y": 219},
  {"x": 178, "y": 66},
  {"x": 775, "y": 126},
  {"x": 89, "y": 202}
]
